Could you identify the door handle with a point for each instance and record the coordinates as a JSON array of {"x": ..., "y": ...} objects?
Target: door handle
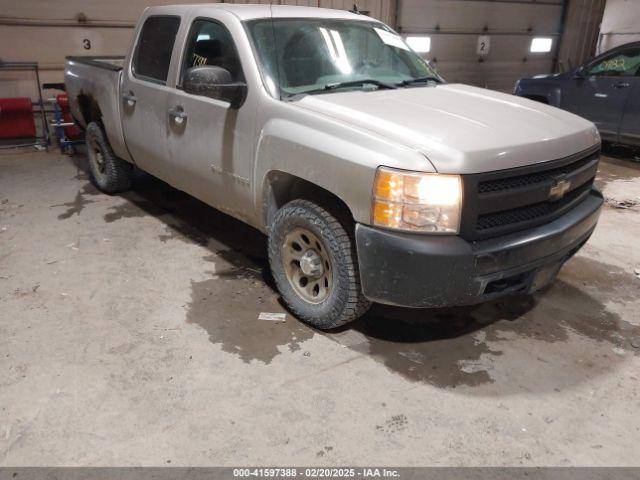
[
  {"x": 178, "y": 115},
  {"x": 621, "y": 85},
  {"x": 130, "y": 98}
]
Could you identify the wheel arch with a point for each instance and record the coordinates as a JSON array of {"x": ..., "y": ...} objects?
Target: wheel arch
[
  {"x": 547, "y": 94},
  {"x": 279, "y": 188},
  {"x": 89, "y": 109},
  {"x": 538, "y": 98}
]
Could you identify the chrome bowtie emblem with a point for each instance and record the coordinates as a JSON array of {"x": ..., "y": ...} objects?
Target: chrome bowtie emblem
[{"x": 560, "y": 186}]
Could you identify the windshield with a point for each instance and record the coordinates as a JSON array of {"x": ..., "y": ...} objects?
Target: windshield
[{"x": 300, "y": 56}]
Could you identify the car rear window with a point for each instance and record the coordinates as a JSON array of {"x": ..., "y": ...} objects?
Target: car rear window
[{"x": 155, "y": 44}]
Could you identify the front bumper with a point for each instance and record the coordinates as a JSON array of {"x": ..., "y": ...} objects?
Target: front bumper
[{"x": 416, "y": 270}]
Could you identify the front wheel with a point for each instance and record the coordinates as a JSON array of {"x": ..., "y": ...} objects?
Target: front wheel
[{"x": 313, "y": 260}]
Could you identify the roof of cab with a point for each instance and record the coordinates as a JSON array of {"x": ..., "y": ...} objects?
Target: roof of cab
[{"x": 252, "y": 11}]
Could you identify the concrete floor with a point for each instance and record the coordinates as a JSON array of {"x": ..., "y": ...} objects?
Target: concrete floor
[{"x": 129, "y": 335}]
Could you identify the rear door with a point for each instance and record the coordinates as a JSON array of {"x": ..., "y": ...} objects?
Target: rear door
[
  {"x": 145, "y": 94},
  {"x": 602, "y": 96},
  {"x": 212, "y": 144}
]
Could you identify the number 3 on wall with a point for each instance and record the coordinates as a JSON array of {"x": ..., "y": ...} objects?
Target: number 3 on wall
[{"x": 86, "y": 44}]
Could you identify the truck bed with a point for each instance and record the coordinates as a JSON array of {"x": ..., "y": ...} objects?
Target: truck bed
[
  {"x": 107, "y": 62},
  {"x": 93, "y": 83}
]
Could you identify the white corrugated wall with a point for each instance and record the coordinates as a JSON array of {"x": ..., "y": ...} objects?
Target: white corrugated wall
[
  {"x": 620, "y": 24},
  {"x": 455, "y": 25},
  {"x": 46, "y": 31}
]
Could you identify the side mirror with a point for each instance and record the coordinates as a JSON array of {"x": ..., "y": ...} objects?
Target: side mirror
[
  {"x": 581, "y": 72},
  {"x": 214, "y": 82}
]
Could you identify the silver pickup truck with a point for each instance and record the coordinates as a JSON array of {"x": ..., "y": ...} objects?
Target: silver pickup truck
[{"x": 374, "y": 180}]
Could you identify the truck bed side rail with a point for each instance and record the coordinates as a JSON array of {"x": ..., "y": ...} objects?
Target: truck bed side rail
[{"x": 108, "y": 62}]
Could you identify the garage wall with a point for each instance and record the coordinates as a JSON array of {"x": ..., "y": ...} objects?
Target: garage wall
[
  {"x": 580, "y": 35},
  {"x": 46, "y": 31},
  {"x": 455, "y": 25},
  {"x": 620, "y": 24}
]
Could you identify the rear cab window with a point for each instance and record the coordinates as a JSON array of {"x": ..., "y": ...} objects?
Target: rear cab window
[{"x": 152, "y": 56}]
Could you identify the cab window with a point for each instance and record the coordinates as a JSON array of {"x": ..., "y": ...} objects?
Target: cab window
[
  {"x": 152, "y": 56},
  {"x": 625, "y": 63},
  {"x": 210, "y": 43}
]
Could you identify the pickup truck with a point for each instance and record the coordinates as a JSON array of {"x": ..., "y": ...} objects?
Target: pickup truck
[
  {"x": 373, "y": 179},
  {"x": 605, "y": 90}
]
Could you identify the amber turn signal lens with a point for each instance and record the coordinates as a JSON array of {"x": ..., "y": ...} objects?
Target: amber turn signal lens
[
  {"x": 389, "y": 185},
  {"x": 386, "y": 213}
]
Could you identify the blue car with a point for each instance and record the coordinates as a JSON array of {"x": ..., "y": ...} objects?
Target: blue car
[{"x": 606, "y": 90}]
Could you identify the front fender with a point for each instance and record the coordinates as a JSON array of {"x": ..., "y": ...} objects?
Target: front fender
[
  {"x": 343, "y": 162},
  {"x": 319, "y": 158},
  {"x": 550, "y": 94},
  {"x": 554, "y": 96}
]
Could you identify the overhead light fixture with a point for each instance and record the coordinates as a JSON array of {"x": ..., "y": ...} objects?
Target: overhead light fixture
[
  {"x": 419, "y": 44},
  {"x": 541, "y": 44}
]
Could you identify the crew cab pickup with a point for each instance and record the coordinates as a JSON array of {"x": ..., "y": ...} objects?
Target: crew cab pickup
[{"x": 373, "y": 179}]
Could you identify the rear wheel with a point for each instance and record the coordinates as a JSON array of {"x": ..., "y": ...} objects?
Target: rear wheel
[
  {"x": 314, "y": 264},
  {"x": 107, "y": 172}
]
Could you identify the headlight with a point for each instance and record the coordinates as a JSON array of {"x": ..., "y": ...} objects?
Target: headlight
[{"x": 414, "y": 201}]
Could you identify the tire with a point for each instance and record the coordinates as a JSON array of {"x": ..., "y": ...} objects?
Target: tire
[
  {"x": 107, "y": 172},
  {"x": 339, "y": 298}
]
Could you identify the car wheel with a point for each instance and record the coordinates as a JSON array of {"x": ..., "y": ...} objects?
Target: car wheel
[
  {"x": 313, "y": 260},
  {"x": 107, "y": 172}
]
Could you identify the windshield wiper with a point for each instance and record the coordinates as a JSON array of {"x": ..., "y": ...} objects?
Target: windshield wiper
[
  {"x": 351, "y": 83},
  {"x": 356, "y": 83},
  {"x": 414, "y": 81}
]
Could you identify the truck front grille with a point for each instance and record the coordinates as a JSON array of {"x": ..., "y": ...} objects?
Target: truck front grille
[
  {"x": 502, "y": 184},
  {"x": 506, "y": 201},
  {"x": 530, "y": 212}
]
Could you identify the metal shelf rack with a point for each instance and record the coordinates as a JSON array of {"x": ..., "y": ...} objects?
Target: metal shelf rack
[{"x": 44, "y": 139}]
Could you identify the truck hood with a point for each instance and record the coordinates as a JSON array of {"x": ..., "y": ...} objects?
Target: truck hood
[{"x": 459, "y": 128}]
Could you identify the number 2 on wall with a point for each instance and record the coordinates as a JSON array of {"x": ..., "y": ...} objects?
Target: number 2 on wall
[{"x": 484, "y": 44}]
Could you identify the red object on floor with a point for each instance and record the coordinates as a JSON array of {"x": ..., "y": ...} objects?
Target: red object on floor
[
  {"x": 16, "y": 118},
  {"x": 72, "y": 133}
]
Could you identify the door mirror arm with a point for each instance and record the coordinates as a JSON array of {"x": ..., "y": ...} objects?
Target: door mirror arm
[
  {"x": 214, "y": 82},
  {"x": 580, "y": 73}
]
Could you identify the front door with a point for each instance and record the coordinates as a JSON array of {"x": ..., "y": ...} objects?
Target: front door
[
  {"x": 145, "y": 95},
  {"x": 603, "y": 94},
  {"x": 211, "y": 143},
  {"x": 630, "y": 126}
]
